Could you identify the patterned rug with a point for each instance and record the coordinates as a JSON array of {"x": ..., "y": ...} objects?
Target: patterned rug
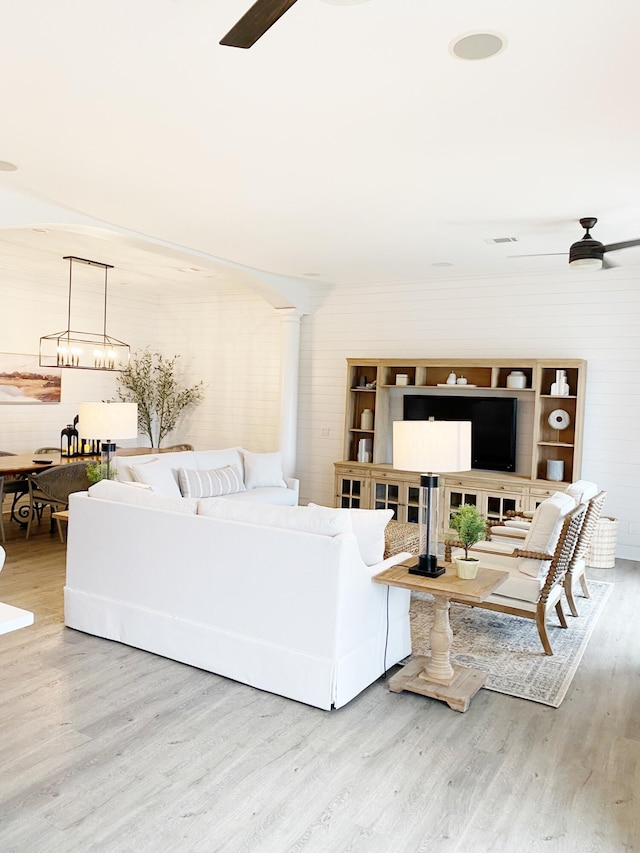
[{"x": 508, "y": 647}]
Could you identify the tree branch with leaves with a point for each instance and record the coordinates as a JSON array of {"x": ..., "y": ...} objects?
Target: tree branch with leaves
[{"x": 150, "y": 381}]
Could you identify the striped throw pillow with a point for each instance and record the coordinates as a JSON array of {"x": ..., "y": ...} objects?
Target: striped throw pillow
[{"x": 210, "y": 484}]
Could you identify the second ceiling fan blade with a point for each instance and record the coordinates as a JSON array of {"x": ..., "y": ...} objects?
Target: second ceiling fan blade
[
  {"x": 254, "y": 23},
  {"x": 625, "y": 244}
]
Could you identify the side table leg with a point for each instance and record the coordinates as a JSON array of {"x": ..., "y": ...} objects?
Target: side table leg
[{"x": 439, "y": 667}]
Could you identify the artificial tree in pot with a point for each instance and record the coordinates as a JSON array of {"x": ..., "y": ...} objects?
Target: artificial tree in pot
[
  {"x": 471, "y": 527},
  {"x": 150, "y": 381}
]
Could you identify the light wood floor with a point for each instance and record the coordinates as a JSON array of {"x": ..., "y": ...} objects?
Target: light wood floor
[{"x": 107, "y": 748}]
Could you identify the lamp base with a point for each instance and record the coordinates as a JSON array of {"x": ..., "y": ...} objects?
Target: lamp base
[{"x": 427, "y": 567}]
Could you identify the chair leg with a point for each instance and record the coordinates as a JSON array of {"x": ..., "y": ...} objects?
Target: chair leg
[
  {"x": 561, "y": 616},
  {"x": 542, "y": 631},
  {"x": 568, "y": 591},
  {"x": 585, "y": 587}
]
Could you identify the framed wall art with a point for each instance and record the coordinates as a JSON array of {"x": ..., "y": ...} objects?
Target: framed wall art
[{"x": 22, "y": 380}]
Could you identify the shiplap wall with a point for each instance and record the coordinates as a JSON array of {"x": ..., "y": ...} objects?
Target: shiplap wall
[
  {"x": 229, "y": 338},
  {"x": 591, "y": 316}
]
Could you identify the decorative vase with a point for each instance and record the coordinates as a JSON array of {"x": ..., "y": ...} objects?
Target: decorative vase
[
  {"x": 467, "y": 568},
  {"x": 451, "y": 378},
  {"x": 555, "y": 469},
  {"x": 516, "y": 379},
  {"x": 366, "y": 419}
]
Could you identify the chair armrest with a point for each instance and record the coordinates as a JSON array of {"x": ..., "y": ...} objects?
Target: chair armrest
[{"x": 293, "y": 484}]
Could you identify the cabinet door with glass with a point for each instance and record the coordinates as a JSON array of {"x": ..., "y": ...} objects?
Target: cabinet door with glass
[
  {"x": 401, "y": 496},
  {"x": 352, "y": 489},
  {"x": 498, "y": 506}
]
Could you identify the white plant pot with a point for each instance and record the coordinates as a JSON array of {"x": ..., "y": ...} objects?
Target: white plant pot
[{"x": 467, "y": 569}]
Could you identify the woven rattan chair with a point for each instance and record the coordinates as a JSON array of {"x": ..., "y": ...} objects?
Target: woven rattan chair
[
  {"x": 10, "y": 486},
  {"x": 550, "y": 594},
  {"x": 176, "y": 447},
  {"x": 52, "y": 488},
  {"x": 44, "y": 451},
  {"x": 576, "y": 570}
]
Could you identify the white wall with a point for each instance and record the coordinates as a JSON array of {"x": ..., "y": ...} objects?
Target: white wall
[
  {"x": 229, "y": 338},
  {"x": 594, "y": 316}
]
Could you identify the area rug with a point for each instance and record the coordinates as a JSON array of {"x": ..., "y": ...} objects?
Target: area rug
[{"x": 508, "y": 648}]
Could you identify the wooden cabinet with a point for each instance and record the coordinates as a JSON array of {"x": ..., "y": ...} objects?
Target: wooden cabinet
[
  {"x": 364, "y": 486},
  {"x": 375, "y": 392}
]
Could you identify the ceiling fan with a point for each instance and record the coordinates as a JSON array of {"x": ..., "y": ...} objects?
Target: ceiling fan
[
  {"x": 254, "y": 23},
  {"x": 588, "y": 252}
]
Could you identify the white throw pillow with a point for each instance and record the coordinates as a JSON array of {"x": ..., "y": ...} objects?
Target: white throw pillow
[
  {"x": 368, "y": 527},
  {"x": 320, "y": 520},
  {"x": 582, "y": 491},
  {"x": 210, "y": 484},
  {"x": 263, "y": 469},
  {"x": 110, "y": 490},
  {"x": 159, "y": 476},
  {"x": 544, "y": 532}
]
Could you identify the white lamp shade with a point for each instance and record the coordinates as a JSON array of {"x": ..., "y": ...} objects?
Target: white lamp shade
[
  {"x": 435, "y": 446},
  {"x": 108, "y": 421}
]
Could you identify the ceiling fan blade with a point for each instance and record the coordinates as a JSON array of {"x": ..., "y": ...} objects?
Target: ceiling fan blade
[
  {"x": 254, "y": 23},
  {"x": 625, "y": 244}
]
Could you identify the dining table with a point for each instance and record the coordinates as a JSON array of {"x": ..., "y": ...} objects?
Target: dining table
[{"x": 17, "y": 468}]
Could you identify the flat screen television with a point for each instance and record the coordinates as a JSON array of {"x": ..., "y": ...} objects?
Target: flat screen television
[{"x": 493, "y": 424}]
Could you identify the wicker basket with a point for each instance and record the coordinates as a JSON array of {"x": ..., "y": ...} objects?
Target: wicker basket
[{"x": 602, "y": 551}]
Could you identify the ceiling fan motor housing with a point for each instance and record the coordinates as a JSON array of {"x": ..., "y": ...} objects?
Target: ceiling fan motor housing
[{"x": 586, "y": 249}]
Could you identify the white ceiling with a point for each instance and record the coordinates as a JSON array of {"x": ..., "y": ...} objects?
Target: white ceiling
[{"x": 347, "y": 142}]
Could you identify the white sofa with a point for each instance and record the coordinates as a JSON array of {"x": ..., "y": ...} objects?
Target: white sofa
[
  {"x": 260, "y": 474},
  {"x": 280, "y": 598}
]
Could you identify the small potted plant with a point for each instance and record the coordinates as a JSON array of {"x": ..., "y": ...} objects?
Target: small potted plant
[
  {"x": 470, "y": 526},
  {"x": 97, "y": 471}
]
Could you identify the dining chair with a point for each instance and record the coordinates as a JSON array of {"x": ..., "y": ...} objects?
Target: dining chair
[
  {"x": 52, "y": 488},
  {"x": 9, "y": 486}
]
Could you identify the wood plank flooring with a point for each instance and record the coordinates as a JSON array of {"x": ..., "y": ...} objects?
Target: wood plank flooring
[{"x": 109, "y": 749}]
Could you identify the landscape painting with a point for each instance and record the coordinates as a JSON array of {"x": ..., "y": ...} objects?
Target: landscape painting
[{"x": 22, "y": 380}]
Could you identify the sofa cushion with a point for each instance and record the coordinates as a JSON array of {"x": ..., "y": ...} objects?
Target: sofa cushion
[
  {"x": 208, "y": 460},
  {"x": 368, "y": 527},
  {"x": 274, "y": 495},
  {"x": 263, "y": 470},
  {"x": 210, "y": 484},
  {"x": 159, "y": 475},
  {"x": 175, "y": 459},
  {"x": 544, "y": 532},
  {"x": 320, "y": 520},
  {"x": 111, "y": 490}
]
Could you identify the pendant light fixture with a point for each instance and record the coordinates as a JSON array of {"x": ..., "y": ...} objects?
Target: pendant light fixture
[{"x": 84, "y": 350}]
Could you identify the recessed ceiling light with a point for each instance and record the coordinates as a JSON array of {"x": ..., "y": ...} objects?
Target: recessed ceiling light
[
  {"x": 7, "y": 167},
  {"x": 312, "y": 274},
  {"x": 190, "y": 269},
  {"x": 442, "y": 264},
  {"x": 40, "y": 230},
  {"x": 477, "y": 45}
]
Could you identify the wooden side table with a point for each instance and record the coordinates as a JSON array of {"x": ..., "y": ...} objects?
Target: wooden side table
[{"x": 436, "y": 676}]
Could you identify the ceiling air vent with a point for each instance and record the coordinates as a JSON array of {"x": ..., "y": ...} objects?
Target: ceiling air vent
[{"x": 492, "y": 240}]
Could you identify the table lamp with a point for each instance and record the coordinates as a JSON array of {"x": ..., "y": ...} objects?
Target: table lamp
[
  {"x": 107, "y": 422},
  {"x": 435, "y": 447}
]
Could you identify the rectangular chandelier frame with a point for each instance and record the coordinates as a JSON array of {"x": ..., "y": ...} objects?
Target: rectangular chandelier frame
[{"x": 84, "y": 350}]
